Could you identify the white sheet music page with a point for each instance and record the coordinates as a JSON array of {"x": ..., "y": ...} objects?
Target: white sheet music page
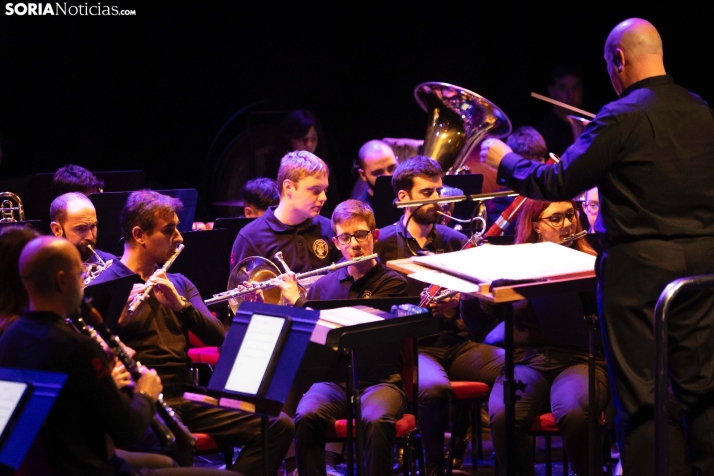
[
  {"x": 339, "y": 317},
  {"x": 523, "y": 261}
]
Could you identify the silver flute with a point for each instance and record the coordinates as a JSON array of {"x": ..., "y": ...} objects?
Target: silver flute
[
  {"x": 233, "y": 293},
  {"x": 141, "y": 297}
]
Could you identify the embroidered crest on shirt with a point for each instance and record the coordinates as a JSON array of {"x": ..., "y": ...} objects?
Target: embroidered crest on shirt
[
  {"x": 366, "y": 294},
  {"x": 320, "y": 248}
]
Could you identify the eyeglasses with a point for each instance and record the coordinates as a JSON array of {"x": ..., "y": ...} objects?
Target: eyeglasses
[
  {"x": 359, "y": 235},
  {"x": 558, "y": 219},
  {"x": 592, "y": 205}
]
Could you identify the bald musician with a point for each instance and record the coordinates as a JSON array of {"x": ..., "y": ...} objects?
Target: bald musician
[
  {"x": 74, "y": 217},
  {"x": 72, "y": 441},
  {"x": 650, "y": 155},
  {"x": 375, "y": 158}
]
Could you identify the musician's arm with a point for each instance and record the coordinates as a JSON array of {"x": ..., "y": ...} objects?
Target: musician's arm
[
  {"x": 196, "y": 316},
  {"x": 125, "y": 421},
  {"x": 582, "y": 166}
]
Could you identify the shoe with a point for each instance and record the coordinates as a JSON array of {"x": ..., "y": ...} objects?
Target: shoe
[{"x": 331, "y": 471}]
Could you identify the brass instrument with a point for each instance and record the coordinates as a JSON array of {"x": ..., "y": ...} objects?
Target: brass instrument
[
  {"x": 458, "y": 120},
  {"x": 141, "y": 297},
  {"x": 9, "y": 204},
  {"x": 93, "y": 270},
  {"x": 256, "y": 269}
]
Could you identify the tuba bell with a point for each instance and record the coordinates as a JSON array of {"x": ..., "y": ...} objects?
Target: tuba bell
[
  {"x": 9, "y": 204},
  {"x": 458, "y": 120}
]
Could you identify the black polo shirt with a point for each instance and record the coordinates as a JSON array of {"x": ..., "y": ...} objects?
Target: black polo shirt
[
  {"x": 393, "y": 238},
  {"x": 378, "y": 282},
  {"x": 305, "y": 247}
]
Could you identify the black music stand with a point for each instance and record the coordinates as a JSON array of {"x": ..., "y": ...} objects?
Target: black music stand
[
  {"x": 232, "y": 224},
  {"x": 204, "y": 259},
  {"x": 45, "y": 386},
  {"x": 109, "y": 297},
  {"x": 470, "y": 184},
  {"x": 268, "y": 402},
  {"x": 385, "y": 213}
]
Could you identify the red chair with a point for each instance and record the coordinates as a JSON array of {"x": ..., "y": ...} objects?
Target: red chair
[
  {"x": 200, "y": 352},
  {"x": 206, "y": 445},
  {"x": 468, "y": 394},
  {"x": 406, "y": 426}
]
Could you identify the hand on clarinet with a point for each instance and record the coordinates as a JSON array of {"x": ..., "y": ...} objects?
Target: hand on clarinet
[
  {"x": 493, "y": 151},
  {"x": 149, "y": 384},
  {"x": 121, "y": 375}
]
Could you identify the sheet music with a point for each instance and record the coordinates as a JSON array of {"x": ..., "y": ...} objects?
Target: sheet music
[
  {"x": 255, "y": 353},
  {"x": 523, "y": 261},
  {"x": 10, "y": 395}
]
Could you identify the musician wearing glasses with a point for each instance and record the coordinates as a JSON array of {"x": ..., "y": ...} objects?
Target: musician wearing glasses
[
  {"x": 449, "y": 354},
  {"x": 74, "y": 217},
  {"x": 295, "y": 226},
  {"x": 355, "y": 236},
  {"x": 591, "y": 206},
  {"x": 383, "y": 403},
  {"x": 158, "y": 329},
  {"x": 552, "y": 371},
  {"x": 649, "y": 153}
]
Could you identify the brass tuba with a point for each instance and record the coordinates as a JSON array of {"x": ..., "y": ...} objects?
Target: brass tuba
[
  {"x": 9, "y": 204},
  {"x": 458, "y": 120}
]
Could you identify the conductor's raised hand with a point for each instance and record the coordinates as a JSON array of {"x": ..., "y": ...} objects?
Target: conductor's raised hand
[{"x": 493, "y": 151}]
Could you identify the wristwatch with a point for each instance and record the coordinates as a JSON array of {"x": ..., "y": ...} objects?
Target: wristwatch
[{"x": 185, "y": 302}]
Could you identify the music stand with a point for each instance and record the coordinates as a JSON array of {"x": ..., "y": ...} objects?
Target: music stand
[
  {"x": 204, "y": 259},
  {"x": 470, "y": 184},
  {"x": 109, "y": 297},
  {"x": 233, "y": 224},
  {"x": 385, "y": 213},
  {"x": 280, "y": 371},
  {"x": 45, "y": 386}
]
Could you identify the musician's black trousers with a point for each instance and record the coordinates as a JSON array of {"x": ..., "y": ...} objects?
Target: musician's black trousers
[
  {"x": 631, "y": 277},
  {"x": 558, "y": 376},
  {"x": 239, "y": 429},
  {"x": 437, "y": 366},
  {"x": 382, "y": 405}
]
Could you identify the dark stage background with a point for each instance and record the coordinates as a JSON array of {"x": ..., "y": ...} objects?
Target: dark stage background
[{"x": 152, "y": 91}]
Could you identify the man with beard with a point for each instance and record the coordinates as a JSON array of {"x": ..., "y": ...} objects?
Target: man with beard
[
  {"x": 449, "y": 354},
  {"x": 73, "y": 217}
]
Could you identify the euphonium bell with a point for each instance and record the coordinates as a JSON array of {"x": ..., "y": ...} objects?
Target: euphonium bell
[
  {"x": 256, "y": 269},
  {"x": 458, "y": 120}
]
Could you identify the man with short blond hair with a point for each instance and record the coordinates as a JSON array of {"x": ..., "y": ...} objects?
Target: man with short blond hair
[{"x": 295, "y": 226}]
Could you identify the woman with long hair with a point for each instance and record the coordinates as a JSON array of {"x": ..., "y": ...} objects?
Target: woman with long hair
[{"x": 552, "y": 366}]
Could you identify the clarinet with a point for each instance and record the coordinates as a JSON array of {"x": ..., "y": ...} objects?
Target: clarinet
[
  {"x": 163, "y": 433},
  {"x": 183, "y": 440}
]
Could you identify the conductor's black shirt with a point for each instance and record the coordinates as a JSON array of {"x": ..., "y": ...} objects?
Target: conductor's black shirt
[{"x": 651, "y": 155}]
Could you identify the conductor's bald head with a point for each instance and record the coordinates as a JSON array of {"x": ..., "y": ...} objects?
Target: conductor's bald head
[
  {"x": 633, "y": 52},
  {"x": 51, "y": 270}
]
